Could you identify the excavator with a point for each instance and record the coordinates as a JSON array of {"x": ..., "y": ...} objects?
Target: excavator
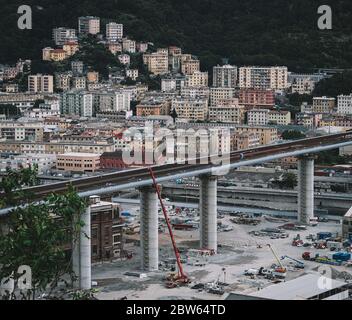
[{"x": 174, "y": 279}]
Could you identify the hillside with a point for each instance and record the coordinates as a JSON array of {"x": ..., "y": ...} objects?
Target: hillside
[{"x": 247, "y": 32}]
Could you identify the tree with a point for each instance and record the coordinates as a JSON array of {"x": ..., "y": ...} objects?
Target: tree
[
  {"x": 36, "y": 235},
  {"x": 293, "y": 135},
  {"x": 287, "y": 181}
]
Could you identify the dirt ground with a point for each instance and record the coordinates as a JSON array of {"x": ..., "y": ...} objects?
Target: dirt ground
[{"x": 238, "y": 251}]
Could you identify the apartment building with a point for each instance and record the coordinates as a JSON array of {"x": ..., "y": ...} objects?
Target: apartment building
[
  {"x": 11, "y": 88},
  {"x": 70, "y": 48},
  {"x": 56, "y": 55},
  {"x": 323, "y": 104},
  {"x": 195, "y": 92},
  {"x": 106, "y": 231},
  {"x": 344, "y": 104},
  {"x": 44, "y": 162},
  {"x": 77, "y": 103},
  {"x": 59, "y": 146},
  {"x": 257, "y": 98},
  {"x": 220, "y": 93},
  {"x": 225, "y": 76},
  {"x": 114, "y": 47},
  {"x": 197, "y": 79},
  {"x": 257, "y": 117},
  {"x": 132, "y": 74},
  {"x": 62, "y": 35},
  {"x": 153, "y": 107},
  {"x": 282, "y": 118},
  {"x": 173, "y": 83},
  {"x": 275, "y": 78},
  {"x": 112, "y": 101},
  {"x": 40, "y": 83},
  {"x": 88, "y": 25},
  {"x": 21, "y": 100},
  {"x": 157, "y": 62},
  {"x": 124, "y": 59},
  {"x": 63, "y": 81},
  {"x": 77, "y": 67},
  {"x": 194, "y": 109},
  {"x": 79, "y": 83},
  {"x": 78, "y": 162},
  {"x": 21, "y": 131},
  {"x": 114, "y": 31},
  {"x": 247, "y": 140},
  {"x": 308, "y": 120},
  {"x": 189, "y": 67},
  {"x": 227, "y": 111},
  {"x": 142, "y": 47},
  {"x": 128, "y": 45},
  {"x": 304, "y": 83},
  {"x": 268, "y": 135}
]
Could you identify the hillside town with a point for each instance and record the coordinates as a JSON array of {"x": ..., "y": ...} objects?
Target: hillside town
[{"x": 107, "y": 97}]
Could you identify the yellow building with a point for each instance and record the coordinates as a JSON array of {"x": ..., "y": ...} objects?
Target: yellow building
[
  {"x": 197, "y": 79},
  {"x": 78, "y": 162},
  {"x": 157, "y": 62}
]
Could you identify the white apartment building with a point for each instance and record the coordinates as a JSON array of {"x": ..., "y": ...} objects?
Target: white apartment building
[
  {"x": 225, "y": 76},
  {"x": 132, "y": 73},
  {"x": 114, "y": 31},
  {"x": 44, "y": 162},
  {"x": 173, "y": 83},
  {"x": 62, "y": 35},
  {"x": 77, "y": 103},
  {"x": 40, "y": 83},
  {"x": 344, "y": 104},
  {"x": 191, "y": 109},
  {"x": 275, "y": 78},
  {"x": 195, "y": 92},
  {"x": 89, "y": 25},
  {"x": 220, "y": 93},
  {"x": 197, "y": 79},
  {"x": 79, "y": 83},
  {"x": 124, "y": 59},
  {"x": 258, "y": 117}
]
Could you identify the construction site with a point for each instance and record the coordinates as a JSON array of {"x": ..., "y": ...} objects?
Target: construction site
[{"x": 255, "y": 252}]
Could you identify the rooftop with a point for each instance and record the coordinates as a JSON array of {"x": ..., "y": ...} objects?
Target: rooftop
[{"x": 305, "y": 287}]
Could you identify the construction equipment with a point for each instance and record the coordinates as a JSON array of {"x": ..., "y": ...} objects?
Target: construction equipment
[
  {"x": 279, "y": 272},
  {"x": 174, "y": 279},
  {"x": 298, "y": 264}
]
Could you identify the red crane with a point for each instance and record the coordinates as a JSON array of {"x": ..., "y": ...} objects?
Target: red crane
[{"x": 182, "y": 277}]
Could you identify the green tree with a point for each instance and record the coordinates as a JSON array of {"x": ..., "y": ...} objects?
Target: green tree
[
  {"x": 293, "y": 135},
  {"x": 287, "y": 181},
  {"x": 37, "y": 235}
]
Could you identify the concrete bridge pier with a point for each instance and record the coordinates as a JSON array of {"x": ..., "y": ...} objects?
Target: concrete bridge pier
[
  {"x": 82, "y": 252},
  {"x": 305, "y": 188},
  {"x": 208, "y": 212},
  {"x": 149, "y": 229}
]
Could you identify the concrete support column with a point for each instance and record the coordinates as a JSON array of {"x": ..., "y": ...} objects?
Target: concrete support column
[
  {"x": 149, "y": 229},
  {"x": 82, "y": 253},
  {"x": 208, "y": 212},
  {"x": 305, "y": 189}
]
